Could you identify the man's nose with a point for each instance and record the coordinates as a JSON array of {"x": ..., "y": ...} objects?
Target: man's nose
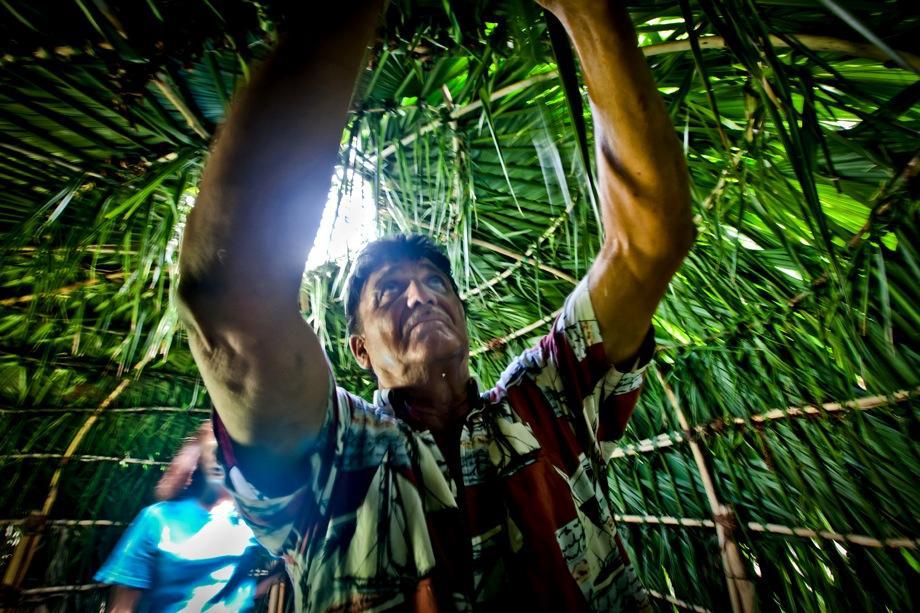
[{"x": 417, "y": 294}]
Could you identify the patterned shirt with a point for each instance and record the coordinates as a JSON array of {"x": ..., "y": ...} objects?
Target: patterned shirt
[{"x": 378, "y": 522}]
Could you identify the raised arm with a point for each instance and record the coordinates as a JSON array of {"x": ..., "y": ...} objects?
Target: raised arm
[
  {"x": 643, "y": 183},
  {"x": 247, "y": 239}
]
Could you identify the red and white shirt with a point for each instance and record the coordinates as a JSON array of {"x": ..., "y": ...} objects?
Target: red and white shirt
[{"x": 378, "y": 523}]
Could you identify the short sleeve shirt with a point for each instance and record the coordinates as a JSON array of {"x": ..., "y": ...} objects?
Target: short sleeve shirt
[
  {"x": 378, "y": 522},
  {"x": 185, "y": 558}
]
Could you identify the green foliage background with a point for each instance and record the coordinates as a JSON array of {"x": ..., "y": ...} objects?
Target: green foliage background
[{"x": 470, "y": 125}]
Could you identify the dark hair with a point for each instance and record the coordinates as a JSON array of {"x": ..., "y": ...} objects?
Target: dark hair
[{"x": 410, "y": 247}]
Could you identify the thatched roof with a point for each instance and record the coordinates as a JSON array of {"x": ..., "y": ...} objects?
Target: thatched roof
[{"x": 800, "y": 124}]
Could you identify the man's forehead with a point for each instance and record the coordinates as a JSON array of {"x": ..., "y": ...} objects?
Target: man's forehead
[{"x": 402, "y": 266}]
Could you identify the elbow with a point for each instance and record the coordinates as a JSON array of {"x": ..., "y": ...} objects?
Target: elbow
[
  {"x": 202, "y": 310},
  {"x": 683, "y": 235},
  {"x": 676, "y": 231},
  {"x": 672, "y": 246},
  {"x": 189, "y": 302},
  {"x": 680, "y": 231},
  {"x": 202, "y": 288},
  {"x": 676, "y": 242},
  {"x": 185, "y": 297},
  {"x": 671, "y": 233},
  {"x": 653, "y": 242}
]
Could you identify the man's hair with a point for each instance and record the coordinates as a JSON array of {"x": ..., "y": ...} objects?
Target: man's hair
[{"x": 376, "y": 255}]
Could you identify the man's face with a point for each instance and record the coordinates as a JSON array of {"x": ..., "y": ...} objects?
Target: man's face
[
  {"x": 408, "y": 317},
  {"x": 210, "y": 468}
]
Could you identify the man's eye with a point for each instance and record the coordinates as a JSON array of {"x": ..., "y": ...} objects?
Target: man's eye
[
  {"x": 436, "y": 282},
  {"x": 389, "y": 288}
]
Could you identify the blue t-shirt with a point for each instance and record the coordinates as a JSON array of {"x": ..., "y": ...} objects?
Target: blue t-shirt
[{"x": 185, "y": 558}]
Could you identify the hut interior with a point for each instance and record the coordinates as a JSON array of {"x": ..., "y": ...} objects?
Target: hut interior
[{"x": 773, "y": 460}]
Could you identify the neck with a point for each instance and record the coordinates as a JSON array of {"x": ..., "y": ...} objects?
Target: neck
[
  {"x": 436, "y": 394},
  {"x": 211, "y": 495}
]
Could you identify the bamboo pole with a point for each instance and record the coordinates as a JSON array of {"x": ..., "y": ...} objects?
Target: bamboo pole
[
  {"x": 61, "y": 589},
  {"x": 648, "y": 445},
  {"x": 688, "y": 522},
  {"x": 80, "y": 523},
  {"x": 525, "y": 259},
  {"x": 740, "y": 588},
  {"x": 680, "y": 604},
  {"x": 855, "y": 539},
  {"x": 28, "y": 545},
  {"x": 898, "y": 542},
  {"x": 716, "y": 426},
  {"x": 34, "y": 410},
  {"x": 495, "y": 343},
  {"x": 82, "y": 458},
  {"x": 858, "y": 404},
  {"x": 528, "y": 254}
]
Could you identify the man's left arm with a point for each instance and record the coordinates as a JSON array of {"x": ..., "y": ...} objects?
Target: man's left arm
[{"x": 643, "y": 182}]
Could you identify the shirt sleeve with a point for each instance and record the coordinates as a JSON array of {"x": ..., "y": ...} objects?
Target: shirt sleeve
[
  {"x": 353, "y": 437},
  {"x": 132, "y": 563},
  {"x": 573, "y": 352}
]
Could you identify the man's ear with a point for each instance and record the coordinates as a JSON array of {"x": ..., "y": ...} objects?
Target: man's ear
[{"x": 359, "y": 350}]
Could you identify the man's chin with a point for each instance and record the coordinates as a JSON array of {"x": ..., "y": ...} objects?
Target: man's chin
[{"x": 437, "y": 348}]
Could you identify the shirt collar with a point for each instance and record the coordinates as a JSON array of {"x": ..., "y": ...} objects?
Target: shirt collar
[{"x": 390, "y": 400}]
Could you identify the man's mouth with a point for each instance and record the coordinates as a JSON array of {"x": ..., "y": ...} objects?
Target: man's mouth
[{"x": 418, "y": 320}]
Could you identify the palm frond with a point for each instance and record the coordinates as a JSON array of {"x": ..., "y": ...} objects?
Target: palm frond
[{"x": 800, "y": 125}]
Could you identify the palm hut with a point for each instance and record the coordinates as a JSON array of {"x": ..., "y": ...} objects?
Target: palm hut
[{"x": 773, "y": 461}]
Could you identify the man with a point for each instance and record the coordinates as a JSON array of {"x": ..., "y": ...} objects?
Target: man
[
  {"x": 189, "y": 552},
  {"x": 434, "y": 497}
]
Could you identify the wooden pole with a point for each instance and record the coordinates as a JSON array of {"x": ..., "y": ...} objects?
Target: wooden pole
[
  {"x": 862, "y": 540},
  {"x": 677, "y": 602},
  {"x": 716, "y": 426},
  {"x": 28, "y": 545},
  {"x": 501, "y": 341},
  {"x": 740, "y": 588}
]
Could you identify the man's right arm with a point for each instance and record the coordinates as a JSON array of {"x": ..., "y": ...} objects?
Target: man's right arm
[{"x": 247, "y": 239}]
